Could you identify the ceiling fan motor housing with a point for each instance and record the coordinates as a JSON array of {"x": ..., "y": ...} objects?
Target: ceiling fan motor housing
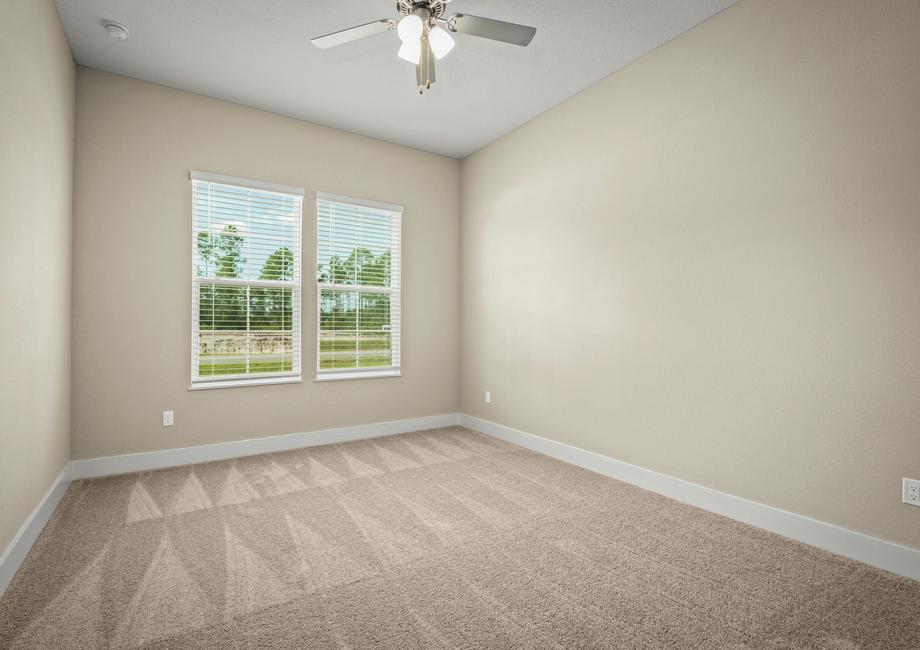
[{"x": 435, "y": 7}]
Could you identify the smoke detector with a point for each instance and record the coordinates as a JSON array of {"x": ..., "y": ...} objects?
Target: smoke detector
[{"x": 116, "y": 30}]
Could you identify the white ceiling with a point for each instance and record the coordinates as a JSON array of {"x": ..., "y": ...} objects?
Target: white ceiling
[{"x": 258, "y": 53}]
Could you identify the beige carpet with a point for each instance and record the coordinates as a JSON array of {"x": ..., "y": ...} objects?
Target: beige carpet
[{"x": 444, "y": 538}]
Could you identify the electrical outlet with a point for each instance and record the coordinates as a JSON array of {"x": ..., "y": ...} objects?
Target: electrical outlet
[
  {"x": 488, "y": 397},
  {"x": 912, "y": 491},
  {"x": 168, "y": 418}
]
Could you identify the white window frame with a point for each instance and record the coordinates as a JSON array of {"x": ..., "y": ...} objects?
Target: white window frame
[
  {"x": 395, "y": 293},
  {"x": 296, "y": 286}
]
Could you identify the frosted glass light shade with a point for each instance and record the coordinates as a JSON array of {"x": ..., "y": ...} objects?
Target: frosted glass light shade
[
  {"x": 409, "y": 29},
  {"x": 410, "y": 51},
  {"x": 441, "y": 42}
]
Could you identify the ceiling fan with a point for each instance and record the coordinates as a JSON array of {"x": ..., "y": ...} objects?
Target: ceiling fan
[{"x": 424, "y": 30}]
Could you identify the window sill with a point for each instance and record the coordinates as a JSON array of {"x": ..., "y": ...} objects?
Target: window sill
[
  {"x": 239, "y": 383},
  {"x": 358, "y": 374}
]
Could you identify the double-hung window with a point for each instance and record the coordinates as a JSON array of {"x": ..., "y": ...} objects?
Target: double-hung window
[
  {"x": 358, "y": 273},
  {"x": 246, "y": 272}
]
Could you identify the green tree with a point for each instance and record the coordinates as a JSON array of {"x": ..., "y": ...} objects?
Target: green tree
[
  {"x": 338, "y": 270},
  {"x": 360, "y": 267},
  {"x": 222, "y": 252},
  {"x": 271, "y": 307},
  {"x": 221, "y": 307},
  {"x": 279, "y": 265}
]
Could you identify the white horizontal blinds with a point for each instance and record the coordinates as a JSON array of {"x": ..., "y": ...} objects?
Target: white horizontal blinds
[
  {"x": 246, "y": 256},
  {"x": 358, "y": 272}
]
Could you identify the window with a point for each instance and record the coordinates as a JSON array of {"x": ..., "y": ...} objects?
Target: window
[
  {"x": 246, "y": 270},
  {"x": 357, "y": 260}
]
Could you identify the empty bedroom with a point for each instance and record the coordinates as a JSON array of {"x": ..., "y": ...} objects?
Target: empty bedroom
[{"x": 460, "y": 324}]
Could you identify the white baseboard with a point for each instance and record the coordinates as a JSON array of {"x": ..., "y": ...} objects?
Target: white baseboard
[
  {"x": 22, "y": 541},
  {"x": 886, "y": 555},
  {"x": 126, "y": 463}
]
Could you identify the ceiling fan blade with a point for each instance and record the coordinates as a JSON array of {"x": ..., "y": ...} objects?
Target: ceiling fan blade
[
  {"x": 497, "y": 30},
  {"x": 353, "y": 33}
]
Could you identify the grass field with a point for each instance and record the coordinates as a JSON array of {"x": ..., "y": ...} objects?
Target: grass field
[
  {"x": 208, "y": 367},
  {"x": 213, "y": 365},
  {"x": 336, "y": 353},
  {"x": 378, "y": 361}
]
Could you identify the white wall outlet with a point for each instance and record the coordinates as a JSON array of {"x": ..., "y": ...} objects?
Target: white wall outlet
[
  {"x": 912, "y": 491},
  {"x": 488, "y": 397},
  {"x": 168, "y": 418}
]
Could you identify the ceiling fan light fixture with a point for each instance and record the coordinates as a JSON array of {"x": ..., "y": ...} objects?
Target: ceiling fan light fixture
[
  {"x": 424, "y": 34},
  {"x": 441, "y": 42},
  {"x": 410, "y": 29},
  {"x": 411, "y": 51}
]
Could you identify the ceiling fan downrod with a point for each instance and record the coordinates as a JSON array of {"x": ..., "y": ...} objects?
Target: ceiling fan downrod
[{"x": 425, "y": 68}]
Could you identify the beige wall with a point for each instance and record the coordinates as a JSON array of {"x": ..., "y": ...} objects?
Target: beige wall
[
  {"x": 136, "y": 143},
  {"x": 36, "y": 180},
  {"x": 709, "y": 263}
]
